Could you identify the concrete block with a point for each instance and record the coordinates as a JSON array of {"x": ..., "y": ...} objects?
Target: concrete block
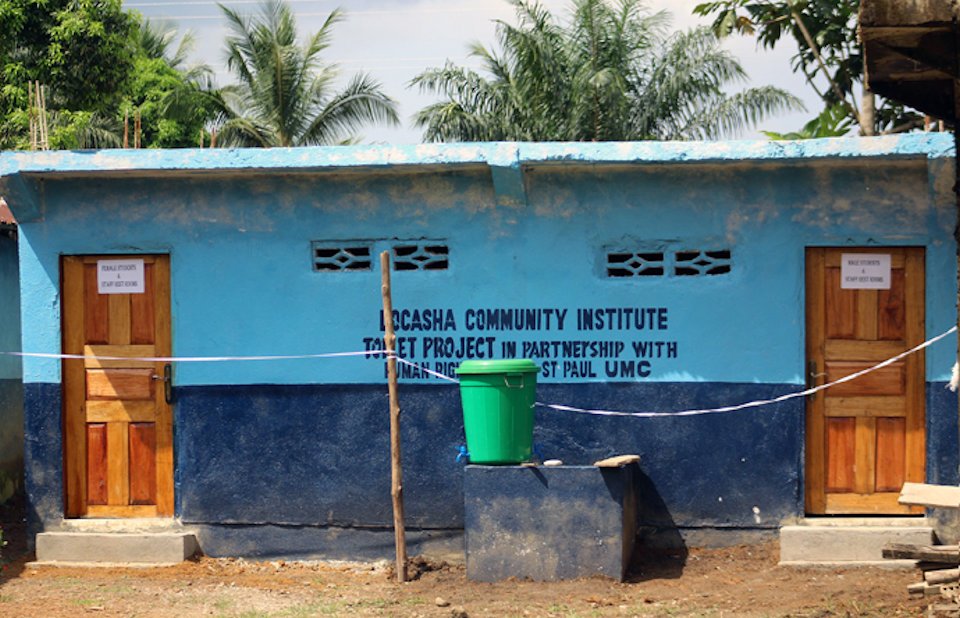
[
  {"x": 858, "y": 542},
  {"x": 548, "y": 523},
  {"x": 141, "y": 548}
]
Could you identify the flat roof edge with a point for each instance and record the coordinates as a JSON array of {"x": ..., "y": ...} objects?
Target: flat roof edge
[
  {"x": 930, "y": 145},
  {"x": 499, "y": 154}
]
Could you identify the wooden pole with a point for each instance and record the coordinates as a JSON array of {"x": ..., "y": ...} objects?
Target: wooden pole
[
  {"x": 33, "y": 116},
  {"x": 396, "y": 483},
  {"x": 44, "y": 137}
]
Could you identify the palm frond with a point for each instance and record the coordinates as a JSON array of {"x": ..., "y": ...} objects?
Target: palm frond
[
  {"x": 284, "y": 87},
  {"x": 359, "y": 103},
  {"x": 613, "y": 72}
]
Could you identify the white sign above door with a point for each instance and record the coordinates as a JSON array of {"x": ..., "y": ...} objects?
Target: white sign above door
[
  {"x": 120, "y": 277},
  {"x": 865, "y": 271}
]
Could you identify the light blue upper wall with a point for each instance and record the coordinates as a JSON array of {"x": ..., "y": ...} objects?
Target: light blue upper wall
[{"x": 240, "y": 245}]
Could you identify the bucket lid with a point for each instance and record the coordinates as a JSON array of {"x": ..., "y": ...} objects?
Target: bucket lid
[{"x": 510, "y": 365}]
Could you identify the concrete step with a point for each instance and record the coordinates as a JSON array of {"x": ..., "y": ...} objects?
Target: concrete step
[
  {"x": 116, "y": 542},
  {"x": 850, "y": 541}
]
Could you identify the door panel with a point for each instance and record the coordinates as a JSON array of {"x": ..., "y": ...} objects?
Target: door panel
[
  {"x": 865, "y": 437},
  {"x": 118, "y": 449}
]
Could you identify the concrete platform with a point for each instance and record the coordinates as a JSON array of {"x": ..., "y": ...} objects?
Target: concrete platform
[
  {"x": 548, "y": 523},
  {"x": 850, "y": 541},
  {"x": 116, "y": 542}
]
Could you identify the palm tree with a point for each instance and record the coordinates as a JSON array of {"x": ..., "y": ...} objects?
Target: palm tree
[
  {"x": 155, "y": 39},
  {"x": 612, "y": 73},
  {"x": 284, "y": 96}
]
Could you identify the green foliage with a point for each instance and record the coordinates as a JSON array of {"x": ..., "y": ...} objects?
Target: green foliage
[
  {"x": 174, "y": 103},
  {"x": 81, "y": 49},
  {"x": 832, "y": 122},
  {"x": 96, "y": 62},
  {"x": 284, "y": 96},
  {"x": 90, "y": 54},
  {"x": 614, "y": 72},
  {"x": 832, "y": 26}
]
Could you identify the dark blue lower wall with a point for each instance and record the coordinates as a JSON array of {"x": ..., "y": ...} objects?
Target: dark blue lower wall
[
  {"x": 43, "y": 453},
  {"x": 316, "y": 455},
  {"x": 11, "y": 438},
  {"x": 258, "y": 466},
  {"x": 737, "y": 469},
  {"x": 268, "y": 541},
  {"x": 943, "y": 448},
  {"x": 320, "y": 454}
]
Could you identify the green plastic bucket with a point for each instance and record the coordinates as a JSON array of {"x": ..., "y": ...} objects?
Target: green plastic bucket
[{"x": 498, "y": 398}]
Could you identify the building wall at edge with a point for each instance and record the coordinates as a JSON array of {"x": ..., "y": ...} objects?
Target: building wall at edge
[{"x": 11, "y": 385}]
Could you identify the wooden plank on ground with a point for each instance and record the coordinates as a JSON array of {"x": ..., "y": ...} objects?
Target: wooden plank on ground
[
  {"x": 943, "y": 496},
  {"x": 923, "y": 589},
  {"x": 942, "y": 554},
  {"x": 942, "y": 576}
]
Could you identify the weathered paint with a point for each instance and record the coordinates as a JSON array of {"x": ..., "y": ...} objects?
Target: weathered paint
[
  {"x": 501, "y": 154},
  {"x": 246, "y": 242},
  {"x": 269, "y": 450},
  {"x": 43, "y": 454},
  {"x": 942, "y": 447},
  {"x": 269, "y": 541},
  {"x": 11, "y": 385}
]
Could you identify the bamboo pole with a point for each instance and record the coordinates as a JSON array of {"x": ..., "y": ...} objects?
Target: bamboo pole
[
  {"x": 33, "y": 116},
  {"x": 44, "y": 137},
  {"x": 396, "y": 482}
]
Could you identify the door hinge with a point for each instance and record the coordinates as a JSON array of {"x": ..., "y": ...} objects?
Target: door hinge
[{"x": 167, "y": 379}]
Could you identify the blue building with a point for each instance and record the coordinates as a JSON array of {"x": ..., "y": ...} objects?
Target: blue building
[
  {"x": 641, "y": 277},
  {"x": 11, "y": 388}
]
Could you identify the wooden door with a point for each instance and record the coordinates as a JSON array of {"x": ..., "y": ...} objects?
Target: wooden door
[
  {"x": 865, "y": 438},
  {"x": 118, "y": 447}
]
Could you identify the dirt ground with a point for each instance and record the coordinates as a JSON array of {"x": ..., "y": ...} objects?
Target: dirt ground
[{"x": 739, "y": 581}]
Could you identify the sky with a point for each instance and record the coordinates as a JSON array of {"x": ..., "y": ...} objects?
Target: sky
[{"x": 393, "y": 40}]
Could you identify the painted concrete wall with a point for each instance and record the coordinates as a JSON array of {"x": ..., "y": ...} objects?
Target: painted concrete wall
[
  {"x": 292, "y": 456},
  {"x": 11, "y": 386}
]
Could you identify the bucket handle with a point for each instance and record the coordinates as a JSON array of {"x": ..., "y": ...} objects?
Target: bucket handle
[{"x": 506, "y": 380}]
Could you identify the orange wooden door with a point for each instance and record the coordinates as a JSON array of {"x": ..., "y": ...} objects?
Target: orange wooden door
[
  {"x": 865, "y": 437},
  {"x": 118, "y": 437}
]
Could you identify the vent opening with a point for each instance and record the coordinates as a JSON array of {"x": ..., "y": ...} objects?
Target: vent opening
[
  {"x": 637, "y": 264},
  {"x": 334, "y": 258},
  {"x": 424, "y": 256}
]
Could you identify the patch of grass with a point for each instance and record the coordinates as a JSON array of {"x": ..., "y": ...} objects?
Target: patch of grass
[
  {"x": 6, "y": 598},
  {"x": 223, "y": 605},
  {"x": 312, "y": 609},
  {"x": 120, "y": 589},
  {"x": 67, "y": 582},
  {"x": 374, "y": 603},
  {"x": 307, "y": 610},
  {"x": 88, "y": 602}
]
